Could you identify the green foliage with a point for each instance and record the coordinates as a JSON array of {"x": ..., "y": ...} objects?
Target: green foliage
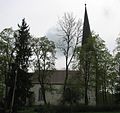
[
  {"x": 117, "y": 69},
  {"x": 78, "y": 109},
  {"x": 22, "y": 45},
  {"x": 44, "y": 51},
  {"x": 27, "y": 110},
  {"x": 96, "y": 64},
  {"x": 105, "y": 74},
  {"x": 23, "y": 53},
  {"x": 6, "y": 56},
  {"x": 44, "y": 62},
  {"x": 19, "y": 79},
  {"x": 74, "y": 90},
  {"x": 105, "y": 65},
  {"x": 1, "y": 68}
]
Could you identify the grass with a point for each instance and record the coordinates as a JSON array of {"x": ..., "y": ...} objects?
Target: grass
[
  {"x": 32, "y": 111},
  {"x": 27, "y": 110},
  {"x": 100, "y": 112}
]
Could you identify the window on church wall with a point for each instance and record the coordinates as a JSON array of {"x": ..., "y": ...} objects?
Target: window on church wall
[{"x": 40, "y": 96}]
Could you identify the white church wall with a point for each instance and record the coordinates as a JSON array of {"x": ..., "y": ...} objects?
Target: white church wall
[{"x": 54, "y": 96}]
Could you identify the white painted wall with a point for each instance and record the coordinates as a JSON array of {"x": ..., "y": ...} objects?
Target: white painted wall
[
  {"x": 55, "y": 96},
  {"x": 51, "y": 97}
]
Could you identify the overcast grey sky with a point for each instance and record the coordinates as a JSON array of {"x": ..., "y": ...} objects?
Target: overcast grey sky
[{"x": 42, "y": 16}]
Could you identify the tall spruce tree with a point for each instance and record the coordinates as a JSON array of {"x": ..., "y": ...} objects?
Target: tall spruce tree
[
  {"x": 20, "y": 79},
  {"x": 23, "y": 49}
]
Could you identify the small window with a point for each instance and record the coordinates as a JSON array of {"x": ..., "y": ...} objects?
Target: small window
[{"x": 40, "y": 96}]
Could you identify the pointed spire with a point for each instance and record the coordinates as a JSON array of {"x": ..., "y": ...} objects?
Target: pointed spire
[{"x": 86, "y": 28}]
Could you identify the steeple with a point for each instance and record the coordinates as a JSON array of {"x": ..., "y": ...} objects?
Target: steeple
[{"x": 86, "y": 28}]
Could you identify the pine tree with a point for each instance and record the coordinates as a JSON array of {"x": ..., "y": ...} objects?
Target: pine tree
[
  {"x": 23, "y": 48},
  {"x": 20, "y": 79}
]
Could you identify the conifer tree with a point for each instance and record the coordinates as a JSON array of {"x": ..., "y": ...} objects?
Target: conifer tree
[
  {"x": 23, "y": 49},
  {"x": 20, "y": 80}
]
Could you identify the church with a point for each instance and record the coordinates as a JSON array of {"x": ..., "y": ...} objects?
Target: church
[
  {"x": 57, "y": 79},
  {"x": 55, "y": 83}
]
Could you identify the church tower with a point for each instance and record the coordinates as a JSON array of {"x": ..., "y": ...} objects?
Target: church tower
[
  {"x": 85, "y": 40},
  {"x": 86, "y": 28}
]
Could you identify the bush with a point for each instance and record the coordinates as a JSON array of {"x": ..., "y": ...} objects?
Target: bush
[
  {"x": 2, "y": 107},
  {"x": 75, "y": 108}
]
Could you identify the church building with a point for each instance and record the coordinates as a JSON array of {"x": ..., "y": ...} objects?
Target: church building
[{"x": 57, "y": 79}]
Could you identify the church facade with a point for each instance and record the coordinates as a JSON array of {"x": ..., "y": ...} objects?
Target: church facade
[{"x": 55, "y": 83}]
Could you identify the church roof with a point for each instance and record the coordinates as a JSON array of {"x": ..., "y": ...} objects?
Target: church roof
[
  {"x": 57, "y": 77},
  {"x": 86, "y": 28}
]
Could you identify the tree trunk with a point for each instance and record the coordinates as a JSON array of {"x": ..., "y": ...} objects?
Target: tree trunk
[
  {"x": 66, "y": 76},
  {"x": 13, "y": 95},
  {"x": 86, "y": 92},
  {"x": 86, "y": 83},
  {"x": 41, "y": 81},
  {"x": 43, "y": 93},
  {"x": 96, "y": 80}
]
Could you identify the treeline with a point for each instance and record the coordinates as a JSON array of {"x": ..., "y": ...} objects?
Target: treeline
[{"x": 21, "y": 52}]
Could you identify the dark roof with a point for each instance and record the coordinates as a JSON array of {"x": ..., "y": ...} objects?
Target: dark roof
[
  {"x": 86, "y": 28},
  {"x": 57, "y": 77}
]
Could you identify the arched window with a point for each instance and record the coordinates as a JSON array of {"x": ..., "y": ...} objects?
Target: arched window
[{"x": 40, "y": 96}]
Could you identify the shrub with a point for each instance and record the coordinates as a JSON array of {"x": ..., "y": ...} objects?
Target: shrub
[{"x": 76, "y": 108}]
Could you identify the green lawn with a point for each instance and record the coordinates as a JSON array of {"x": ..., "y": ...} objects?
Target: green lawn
[
  {"x": 100, "y": 112},
  {"x": 29, "y": 111},
  {"x": 26, "y": 111}
]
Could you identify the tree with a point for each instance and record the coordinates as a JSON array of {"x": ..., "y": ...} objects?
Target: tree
[
  {"x": 85, "y": 60},
  {"x": 20, "y": 80},
  {"x": 44, "y": 52},
  {"x": 74, "y": 90},
  {"x": 94, "y": 59},
  {"x": 6, "y": 57},
  {"x": 2, "y": 59},
  {"x": 70, "y": 33},
  {"x": 117, "y": 69},
  {"x": 23, "y": 49},
  {"x": 103, "y": 69}
]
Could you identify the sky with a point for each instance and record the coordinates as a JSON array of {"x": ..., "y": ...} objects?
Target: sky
[{"x": 42, "y": 17}]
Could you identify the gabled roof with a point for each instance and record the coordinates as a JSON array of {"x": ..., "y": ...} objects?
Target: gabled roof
[{"x": 56, "y": 77}]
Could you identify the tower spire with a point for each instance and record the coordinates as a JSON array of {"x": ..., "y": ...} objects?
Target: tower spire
[{"x": 86, "y": 27}]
